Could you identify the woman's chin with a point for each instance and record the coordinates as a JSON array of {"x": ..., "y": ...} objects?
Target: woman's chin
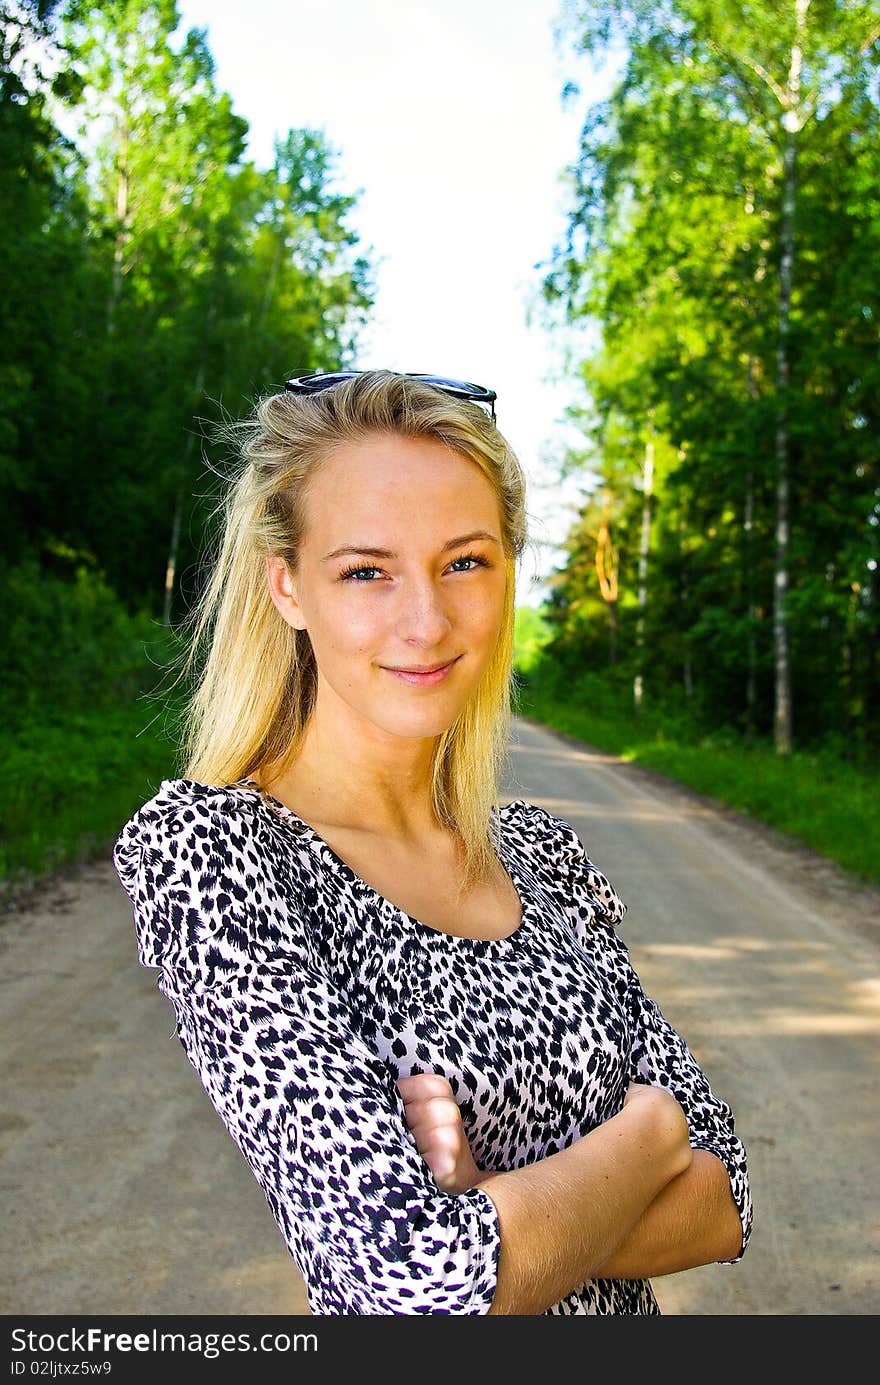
[{"x": 417, "y": 723}]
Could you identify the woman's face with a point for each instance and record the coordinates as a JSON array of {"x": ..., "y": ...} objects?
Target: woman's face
[{"x": 401, "y": 569}]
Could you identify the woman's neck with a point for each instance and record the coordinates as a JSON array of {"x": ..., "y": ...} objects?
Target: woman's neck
[{"x": 334, "y": 782}]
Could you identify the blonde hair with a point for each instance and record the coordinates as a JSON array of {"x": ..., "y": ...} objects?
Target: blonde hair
[{"x": 255, "y": 676}]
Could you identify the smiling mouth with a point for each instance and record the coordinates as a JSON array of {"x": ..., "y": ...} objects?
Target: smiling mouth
[
  {"x": 423, "y": 676},
  {"x": 432, "y": 668}
]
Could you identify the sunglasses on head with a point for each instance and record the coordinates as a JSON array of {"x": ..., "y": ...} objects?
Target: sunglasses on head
[{"x": 319, "y": 380}]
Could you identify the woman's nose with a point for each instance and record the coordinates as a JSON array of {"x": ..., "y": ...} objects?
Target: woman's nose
[{"x": 423, "y": 617}]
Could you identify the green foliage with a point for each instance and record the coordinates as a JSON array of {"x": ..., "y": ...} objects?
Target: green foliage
[
  {"x": 205, "y": 281},
  {"x": 674, "y": 247},
  {"x": 71, "y": 645},
  {"x": 89, "y": 709},
  {"x": 155, "y": 281},
  {"x": 531, "y": 632},
  {"x": 68, "y": 783}
]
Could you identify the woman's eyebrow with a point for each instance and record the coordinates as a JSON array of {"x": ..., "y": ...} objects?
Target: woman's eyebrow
[{"x": 386, "y": 553}]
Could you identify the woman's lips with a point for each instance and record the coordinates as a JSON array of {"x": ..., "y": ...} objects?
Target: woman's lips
[{"x": 423, "y": 680}]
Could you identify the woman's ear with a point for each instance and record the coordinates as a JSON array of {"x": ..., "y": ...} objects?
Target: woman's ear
[{"x": 282, "y": 589}]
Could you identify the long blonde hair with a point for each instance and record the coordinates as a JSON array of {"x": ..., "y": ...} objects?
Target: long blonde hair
[{"x": 254, "y": 676}]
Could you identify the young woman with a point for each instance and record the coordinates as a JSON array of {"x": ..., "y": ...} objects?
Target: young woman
[{"x": 410, "y": 1004}]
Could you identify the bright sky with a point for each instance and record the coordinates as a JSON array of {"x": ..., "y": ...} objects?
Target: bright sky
[{"x": 447, "y": 120}]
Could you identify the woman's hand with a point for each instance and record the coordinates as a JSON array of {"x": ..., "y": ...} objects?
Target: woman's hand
[{"x": 435, "y": 1120}]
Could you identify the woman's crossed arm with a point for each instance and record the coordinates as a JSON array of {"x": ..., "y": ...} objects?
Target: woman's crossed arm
[{"x": 630, "y": 1199}]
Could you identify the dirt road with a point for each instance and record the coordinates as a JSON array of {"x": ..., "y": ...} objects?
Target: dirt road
[{"x": 123, "y": 1194}]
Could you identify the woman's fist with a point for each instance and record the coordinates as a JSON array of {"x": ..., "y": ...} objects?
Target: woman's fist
[{"x": 435, "y": 1121}]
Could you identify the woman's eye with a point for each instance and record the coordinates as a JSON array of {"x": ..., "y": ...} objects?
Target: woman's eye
[
  {"x": 356, "y": 572},
  {"x": 472, "y": 558}
]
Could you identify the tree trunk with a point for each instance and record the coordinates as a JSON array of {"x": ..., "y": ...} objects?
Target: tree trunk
[
  {"x": 870, "y": 720},
  {"x": 607, "y": 575},
  {"x": 783, "y": 710},
  {"x": 684, "y": 597},
  {"x": 644, "y": 546},
  {"x": 123, "y": 230},
  {"x": 751, "y": 695},
  {"x": 751, "y": 691},
  {"x": 687, "y": 663},
  {"x": 791, "y": 124},
  {"x": 269, "y": 286},
  {"x": 174, "y": 543}
]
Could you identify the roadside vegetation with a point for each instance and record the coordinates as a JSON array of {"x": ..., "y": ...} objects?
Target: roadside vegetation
[{"x": 87, "y": 719}]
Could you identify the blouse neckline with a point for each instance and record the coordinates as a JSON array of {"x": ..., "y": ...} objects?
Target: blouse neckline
[{"x": 437, "y": 936}]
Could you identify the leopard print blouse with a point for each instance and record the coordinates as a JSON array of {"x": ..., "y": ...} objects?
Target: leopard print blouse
[{"x": 301, "y": 995}]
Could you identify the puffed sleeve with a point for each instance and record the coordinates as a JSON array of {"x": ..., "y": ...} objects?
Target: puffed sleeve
[
  {"x": 658, "y": 1055},
  {"x": 313, "y": 1110}
]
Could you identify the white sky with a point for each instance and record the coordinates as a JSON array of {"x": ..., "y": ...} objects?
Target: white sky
[{"x": 447, "y": 120}]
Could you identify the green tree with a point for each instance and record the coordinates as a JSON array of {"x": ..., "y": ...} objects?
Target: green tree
[
  {"x": 216, "y": 277},
  {"x": 696, "y": 239},
  {"x": 43, "y": 265}
]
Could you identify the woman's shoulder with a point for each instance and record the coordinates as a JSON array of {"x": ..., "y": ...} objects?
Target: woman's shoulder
[
  {"x": 205, "y": 871},
  {"x": 536, "y": 827},
  {"x": 555, "y": 852},
  {"x": 190, "y": 799},
  {"x": 183, "y": 820},
  {"x": 188, "y": 808}
]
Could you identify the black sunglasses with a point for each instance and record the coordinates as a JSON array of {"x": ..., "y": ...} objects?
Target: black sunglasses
[{"x": 319, "y": 380}]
